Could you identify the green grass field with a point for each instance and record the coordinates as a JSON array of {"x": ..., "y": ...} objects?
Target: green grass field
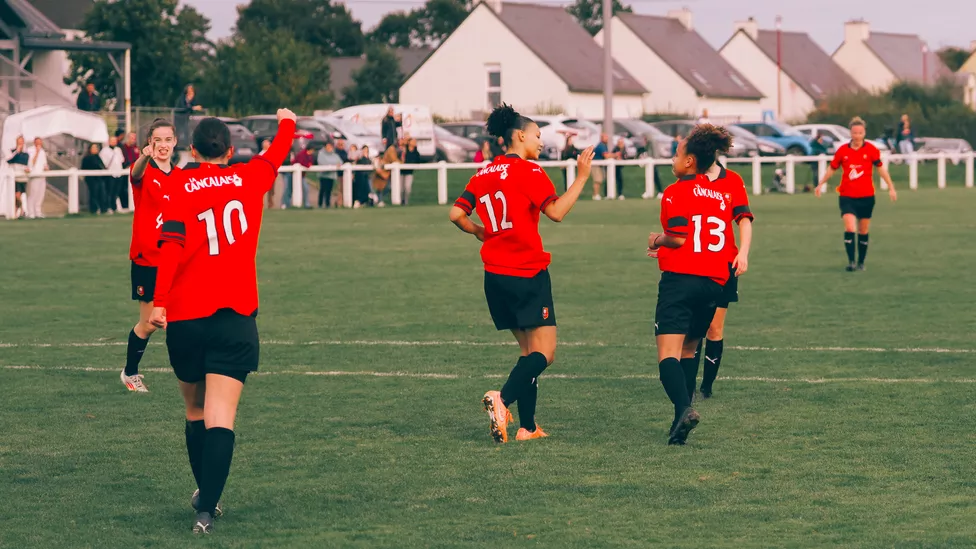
[{"x": 843, "y": 416}]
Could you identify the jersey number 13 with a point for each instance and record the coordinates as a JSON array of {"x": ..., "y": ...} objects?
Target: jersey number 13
[{"x": 716, "y": 228}]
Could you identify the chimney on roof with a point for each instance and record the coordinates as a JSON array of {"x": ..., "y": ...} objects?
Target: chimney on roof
[
  {"x": 494, "y": 5},
  {"x": 751, "y": 27},
  {"x": 683, "y": 16},
  {"x": 972, "y": 45},
  {"x": 857, "y": 30}
]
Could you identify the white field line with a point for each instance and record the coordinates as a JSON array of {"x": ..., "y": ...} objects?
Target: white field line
[
  {"x": 554, "y": 376},
  {"x": 460, "y": 343}
]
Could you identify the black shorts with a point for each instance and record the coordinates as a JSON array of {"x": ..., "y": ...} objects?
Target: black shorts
[
  {"x": 730, "y": 292},
  {"x": 685, "y": 304},
  {"x": 861, "y": 208},
  {"x": 143, "y": 282},
  {"x": 518, "y": 303},
  {"x": 224, "y": 343},
  {"x": 20, "y": 187}
]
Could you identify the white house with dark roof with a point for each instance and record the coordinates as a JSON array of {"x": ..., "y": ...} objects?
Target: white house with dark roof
[
  {"x": 876, "y": 60},
  {"x": 536, "y": 58},
  {"x": 808, "y": 73},
  {"x": 681, "y": 71}
]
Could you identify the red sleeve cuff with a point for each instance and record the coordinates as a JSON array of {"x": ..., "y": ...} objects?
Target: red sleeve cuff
[
  {"x": 464, "y": 205},
  {"x": 678, "y": 233},
  {"x": 547, "y": 201}
]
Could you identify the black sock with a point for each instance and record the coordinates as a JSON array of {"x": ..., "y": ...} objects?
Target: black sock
[
  {"x": 133, "y": 353},
  {"x": 673, "y": 379},
  {"x": 849, "y": 246},
  {"x": 862, "y": 248},
  {"x": 196, "y": 434},
  {"x": 526, "y": 406},
  {"x": 218, "y": 450},
  {"x": 713, "y": 359},
  {"x": 526, "y": 370},
  {"x": 690, "y": 368}
]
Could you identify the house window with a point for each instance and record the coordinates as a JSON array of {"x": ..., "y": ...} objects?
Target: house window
[
  {"x": 738, "y": 81},
  {"x": 494, "y": 85},
  {"x": 700, "y": 78}
]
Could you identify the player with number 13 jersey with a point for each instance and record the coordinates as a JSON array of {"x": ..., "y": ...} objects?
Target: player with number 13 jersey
[{"x": 509, "y": 195}]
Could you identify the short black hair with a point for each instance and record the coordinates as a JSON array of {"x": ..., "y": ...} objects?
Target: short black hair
[
  {"x": 211, "y": 138},
  {"x": 504, "y": 121},
  {"x": 706, "y": 143}
]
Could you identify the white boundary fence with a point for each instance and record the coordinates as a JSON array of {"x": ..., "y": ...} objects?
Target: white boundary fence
[{"x": 396, "y": 179}]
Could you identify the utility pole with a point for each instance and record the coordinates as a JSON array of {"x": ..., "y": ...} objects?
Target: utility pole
[
  {"x": 607, "y": 69},
  {"x": 779, "y": 67}
]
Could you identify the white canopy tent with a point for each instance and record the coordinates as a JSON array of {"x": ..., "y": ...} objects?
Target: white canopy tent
[{"x": 49, "y": 121}]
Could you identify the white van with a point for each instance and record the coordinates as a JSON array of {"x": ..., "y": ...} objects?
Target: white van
[{"x": 417, "y": 121}]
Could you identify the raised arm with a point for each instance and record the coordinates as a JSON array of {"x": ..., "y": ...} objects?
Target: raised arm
[
  {"x": 557, "y": 209},
  {"x": 139, "y": 166}
]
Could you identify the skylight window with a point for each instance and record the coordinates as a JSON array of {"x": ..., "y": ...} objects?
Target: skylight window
[
  {"x": 700, "y": 78},
  {"x": 738, "y": 81},
  {"x": 816, "y": 88}
]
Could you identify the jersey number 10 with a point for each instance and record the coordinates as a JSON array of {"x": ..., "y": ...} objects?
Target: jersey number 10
[
  {"x": 486, "y": 200},
  {"x": 208, "y": 218},
  {"x": 716, "y": 228}
]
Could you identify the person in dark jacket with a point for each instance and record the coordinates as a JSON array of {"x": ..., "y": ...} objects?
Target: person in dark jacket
[
  {"x": 410, "y": 156},
  {"x": 19, "y": 159},
  {"x": 89, "y": 100},
  {"x": 360, "y": 178},
  {"x": 388, "y": 128},
  {"x": 97, "y": 201},
  {"x": 185, "y": 106},
  {"x": 620, "y": 153},
  {"x": 817, "y": 147},
  {"x": 569, "y": 152},
  {"x": 905, "y": 138}
]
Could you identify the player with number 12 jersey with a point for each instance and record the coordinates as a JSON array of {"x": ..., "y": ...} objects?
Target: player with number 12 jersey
[{"x": 509, "y": 195}]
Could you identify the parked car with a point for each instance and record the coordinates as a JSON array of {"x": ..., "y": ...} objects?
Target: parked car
[
  {"x": 353, "y": 134},
  {"x": 555, "y": 128},
  {"x": 416, "y": 120},
  {"x": 471, "y": 129},
  {"x": 953, "y": 147},
  {"x": 648, "y": 140},
  {"x": 744, "y": 140},
  {"x": 241, "y": 138},
  {"x": 793, "y": 141},
  {"x": 308, "y": 133},
  {"x": 453, "y": 148},
  {"x": 837, "y": 135},
  {"x": 674, "y": 128}
]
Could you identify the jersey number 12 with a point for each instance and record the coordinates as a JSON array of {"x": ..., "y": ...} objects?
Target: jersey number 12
[
  {"x": 208, "y": 218},
  {"x": 486, "y": 200}
]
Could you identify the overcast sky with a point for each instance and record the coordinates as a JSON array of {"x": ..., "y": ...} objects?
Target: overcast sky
[{"x": 939, "y": 22}]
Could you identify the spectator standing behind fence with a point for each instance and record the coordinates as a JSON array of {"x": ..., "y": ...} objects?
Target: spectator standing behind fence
[
  {"x": 113, "y": 159},
  {"x": 601, "y": 152},
  {"x": 36, "y": 186},
  {"x": 305, "y": 159},
  {"x": 130, "y": 153},
  {"x": 287, "y": 183},
  {"x": 410, "y": 156},
  {"x": 905, "y": 138},
  {"x": 265, "y": 145},
  {"x": 340, "y": 149},
  {"x": 18, "y": 160},
  {"x": 89, "y": 100},
  {"x": 95, "y": 183},
  {"x": 185, "y": 106},
  {"x": 570, "y": 152},
  {"x": 817, "y": 147},
  {"x": 389, "y": 126},
  {"x": 327, "y": 157},
  {"x": 381, "y": 175},
  {"x": 484, "y": 153},
  {"x": 620, "y": 153},
  {"x": 360, "y": 178}
]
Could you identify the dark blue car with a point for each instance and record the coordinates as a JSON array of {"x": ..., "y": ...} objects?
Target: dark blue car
[{"x": 784, "y": 135}]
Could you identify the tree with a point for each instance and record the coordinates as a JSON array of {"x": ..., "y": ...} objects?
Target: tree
[
  {"x": 589, "y": 13},
  {"x": 327, "y": 26},
  {"x": 266, "y": 71},
  {"x": 954, "y": 57},
  {"x": 378, "y": 81},
  {"x": 169, "y": 48},
  {"x": 426, "y": 26},
  {"x": 397, "y": 29}
]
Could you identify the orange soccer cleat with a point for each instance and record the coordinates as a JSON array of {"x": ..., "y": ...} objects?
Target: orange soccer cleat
[
  {"x": 498, "y": 414},
  {"x": 525, "y": 434}
]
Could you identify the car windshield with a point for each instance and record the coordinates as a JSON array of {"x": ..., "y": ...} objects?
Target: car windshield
[
  {"x": 842, "y": 132},
  {"x": 785, "y": 129},
  {"x": 736, "y": 131},
  {"x": 311, "y": 125}
]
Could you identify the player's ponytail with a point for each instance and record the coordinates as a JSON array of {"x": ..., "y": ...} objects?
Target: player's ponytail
[
  {"x": 706, "y": 143},
  {"x": 504, "y": 121}
]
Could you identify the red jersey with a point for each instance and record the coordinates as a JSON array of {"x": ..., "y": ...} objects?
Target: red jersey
[
  {"x": 149, "y": 194},
  {"x": 857, "y": 180},
  {"x": 209, "y": 237},
  {"x": 695, "y": 209},
  {"x": 732, "y": 187},
  {"x": 509, "y": 194}
]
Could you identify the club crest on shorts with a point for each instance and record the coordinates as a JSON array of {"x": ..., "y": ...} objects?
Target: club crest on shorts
[
  {"x": 141, "y": 291},
  {"x": 545, "y": 313}
]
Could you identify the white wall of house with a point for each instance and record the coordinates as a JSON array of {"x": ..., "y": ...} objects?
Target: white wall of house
[
  {"x": 730, "y": 110},
  {"x": 590, "y": 105},
  {"x": 453, "y": 82},
  {"x": 48, "y": 69},
  {"x": 857, "y": 59},
  {"x": 743, "y": 54}
]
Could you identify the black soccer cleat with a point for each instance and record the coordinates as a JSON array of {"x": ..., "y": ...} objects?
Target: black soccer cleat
[
  {"x": 195, "y": 500},
  {"x": 706, "y": 393},
  {"x": 679, "y": 434},
  {"x": 203, "y": 524},
  {"x": 861, "y": 267},
  {"x": 850, "y": 268}
]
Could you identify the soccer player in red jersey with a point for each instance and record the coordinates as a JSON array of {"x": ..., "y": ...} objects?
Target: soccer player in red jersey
[
  {"x": 149, "y": 177},
  {"x": 858, "y": 160},
  {"x": 207, "y": 294},
  {"x": 731, "y": 185},
  {"x": 509, "y": 194},
  {"x": 694, "y": 263}
]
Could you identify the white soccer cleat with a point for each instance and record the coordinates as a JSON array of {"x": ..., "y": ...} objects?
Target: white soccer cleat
[{"x": 133, "y": 383}]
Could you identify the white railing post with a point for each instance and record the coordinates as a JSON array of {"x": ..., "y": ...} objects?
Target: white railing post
[
  {"x": 347, "y": 185},
  {"x": 296, "y": 186},
  {"x": 969, "y": 169},
  {"x": 942, "y": 169},
  {"x": 913, "y": 172},
  {"x": 611, "y": 178},
  {"x": 73, "y": 191},
  {"x": 570, "y": 172},
  {"x": 821, "y": 167},
  {"x": 396, "y": 184},
  {"x": 885, "y": 162},
  {"x": 442, "y": 182},
  {"x": 649, "y": 190},
  {"x": 790, "y": 175},
  {"x": 757, "y": 187},
  {"x": 8, "y": 194}
]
